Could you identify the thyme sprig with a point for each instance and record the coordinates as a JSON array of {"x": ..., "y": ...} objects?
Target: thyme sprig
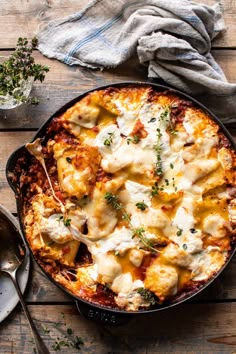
[
  {"x": 140, "y": 233},
  {"x": 117, "y": 205},
  {"x": 164, "y": 117},
  {"x": 19, "y": 67},
  {"x": 114, "y": 201},
  {"x": 135, "y": 139},
  {"x": 158, "y": 149}
]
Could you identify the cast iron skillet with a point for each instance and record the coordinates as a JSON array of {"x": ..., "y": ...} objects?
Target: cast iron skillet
[{"x": 90, "y": 310}]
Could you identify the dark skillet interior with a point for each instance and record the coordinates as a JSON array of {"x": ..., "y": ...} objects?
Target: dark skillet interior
[{"x": 92, "y": 310}]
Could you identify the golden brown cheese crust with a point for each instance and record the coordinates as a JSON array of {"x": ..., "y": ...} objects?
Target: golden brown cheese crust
[{"x": 144, "y": 200}]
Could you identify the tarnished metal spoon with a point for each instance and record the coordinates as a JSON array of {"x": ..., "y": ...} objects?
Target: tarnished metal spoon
[{"x": 12, "y": 254}]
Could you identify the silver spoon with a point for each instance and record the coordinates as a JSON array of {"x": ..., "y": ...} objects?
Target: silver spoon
[{"x": 12, "y": 254}]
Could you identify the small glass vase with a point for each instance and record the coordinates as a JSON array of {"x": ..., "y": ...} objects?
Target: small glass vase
[{"x": 9, "y": 101}]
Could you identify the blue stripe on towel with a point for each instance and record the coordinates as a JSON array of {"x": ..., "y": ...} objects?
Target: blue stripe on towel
[
  {"x": 102, "y": 29},
  {"x": 92, "y": 36}
]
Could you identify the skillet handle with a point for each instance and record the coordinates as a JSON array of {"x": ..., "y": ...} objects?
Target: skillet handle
[{"x": 105, "y": 317}]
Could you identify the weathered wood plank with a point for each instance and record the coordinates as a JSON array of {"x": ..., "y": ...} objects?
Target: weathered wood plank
[
  {"x": 64, "y": 83},
  {"x": 187, "y": 328},
  {"x": 9, "y": 143},
  {"x": 22, "y": 18}
]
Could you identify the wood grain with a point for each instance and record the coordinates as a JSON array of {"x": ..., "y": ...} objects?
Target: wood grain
[
  {"x": 184, "y": 329},
  {"x": 9, "y": 143}
]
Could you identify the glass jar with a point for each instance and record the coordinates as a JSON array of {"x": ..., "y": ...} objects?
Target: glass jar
[{"x": 24, "y": 89}]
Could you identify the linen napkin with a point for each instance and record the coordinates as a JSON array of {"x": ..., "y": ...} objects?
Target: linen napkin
[{"x": 173, "y": 38}]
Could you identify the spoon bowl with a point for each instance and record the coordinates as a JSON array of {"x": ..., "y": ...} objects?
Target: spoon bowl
[{"x": 12, "y": 255}]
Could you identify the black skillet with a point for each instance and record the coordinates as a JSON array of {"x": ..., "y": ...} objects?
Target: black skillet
[{"x": 90, "y": 310}]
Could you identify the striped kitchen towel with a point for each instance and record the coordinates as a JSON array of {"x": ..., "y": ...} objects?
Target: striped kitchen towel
[{"x": 173, "y": 38}]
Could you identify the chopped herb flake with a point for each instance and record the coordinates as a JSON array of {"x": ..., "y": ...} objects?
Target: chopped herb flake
[
  {"x": 152, "y": 120},
  {"x": 68, "y": 159},
  {"x": 193, "y": 231},
  {"x": 179, "y": 232},
  {"x": 109, "y": 140},
  {"x": 141, "y": 205},
  {"x": 67, "y": 222}
]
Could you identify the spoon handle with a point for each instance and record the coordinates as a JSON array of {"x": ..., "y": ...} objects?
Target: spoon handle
[{"x": 40, "y": 346}]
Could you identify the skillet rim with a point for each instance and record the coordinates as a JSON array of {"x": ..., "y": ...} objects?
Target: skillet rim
[{"x": 42, "y": 130}]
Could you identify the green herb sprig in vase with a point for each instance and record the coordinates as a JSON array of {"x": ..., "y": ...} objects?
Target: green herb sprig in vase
[{"x": 17, "y": 74}]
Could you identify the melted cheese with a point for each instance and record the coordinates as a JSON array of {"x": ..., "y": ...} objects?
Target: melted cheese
[
  {"x": 54, "y": 227},
  {"x": 162, "y": 280},
  {"x": 77, "y": 167},
  {"x": 143, "y": 229},
  {"x": 215, "y": 225}
]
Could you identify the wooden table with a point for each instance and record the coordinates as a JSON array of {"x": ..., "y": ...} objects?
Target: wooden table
[{"x": 206, "y": 324}]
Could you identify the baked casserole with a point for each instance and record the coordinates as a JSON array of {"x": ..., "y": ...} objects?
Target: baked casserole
[{"x": 130, "y": 197}]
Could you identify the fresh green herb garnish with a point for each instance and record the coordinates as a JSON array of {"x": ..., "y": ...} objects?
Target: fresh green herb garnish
[
  {"x": 117, "y": 205},
  {"x": 113, "y": 200},
  {"x": 148, "y": 296},
  {"x": 179, "y": 232},
  {"x": 45, "y": 329},
  {"x": 185, "y": 246},
  {"x": 193, "y": 231},
  {"x": 68, "y": 159},
  {"x": 167, "y": 182},
  {"x": 50, "y": 243},
  {"x": 158, "y": 149},
  {"x": 69, "y": 331},
  {"x": 152, "y": 120},
  {"x": 109, "y": 140},
  {"x": 69, "y": 340},
  {"x": 164, "y": 116},
  {"x": 140, "y": 233},
  {"x": 156, "y": 188},
  {"x": 135, "y": 139},
  {"x": 171, "y": 166},
  {"x": 59, "y": 344},
  {"x": 125, "y": 216},
  {"x": 77, "y": 342},
  {"x": 67, "y": 222},
  {"x": 19, "y": 67},
  {"x": 173, "y": 184},
  {"x": 141, "y": 205}
]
